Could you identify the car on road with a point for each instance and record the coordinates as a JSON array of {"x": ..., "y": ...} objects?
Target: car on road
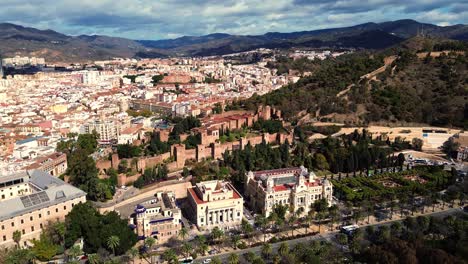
[
  {"x": 206, "y": 261},
  {"x": 213, "y": 251}
]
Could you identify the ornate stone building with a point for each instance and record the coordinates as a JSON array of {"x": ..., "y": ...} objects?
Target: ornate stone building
[
  {"x": 294, "y": 187},
  {"x": 159, "y": 218}
]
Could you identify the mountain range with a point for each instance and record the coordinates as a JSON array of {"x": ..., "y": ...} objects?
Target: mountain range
[{"x": 58, "y": 47}]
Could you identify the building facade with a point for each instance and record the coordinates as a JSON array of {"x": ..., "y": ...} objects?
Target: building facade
[
  {"x": 215, "y": 203},
  {"x": 108, "y": 130},
  {"x": 54, "y": 164},
  {"x": 159, "y": 218},
  {"x": 46, "y": 199},
  {"x": 293, "y": 187}
]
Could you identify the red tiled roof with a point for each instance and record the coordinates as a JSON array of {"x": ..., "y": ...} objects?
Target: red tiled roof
[
  {"x": 281, "y": 188},
  {"x": 195, "y": 196}
]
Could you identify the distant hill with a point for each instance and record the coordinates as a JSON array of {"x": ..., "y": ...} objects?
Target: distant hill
[
  {"x": 414, "y": 87},
  {"x": 54, "y": 46},
  {"x": 368, "y": 35}
]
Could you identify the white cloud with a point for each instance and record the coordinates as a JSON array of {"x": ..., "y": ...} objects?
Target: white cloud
[{"x": 149, "y": 19}]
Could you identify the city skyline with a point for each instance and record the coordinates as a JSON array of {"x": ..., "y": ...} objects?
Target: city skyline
[{"x": 163, "y": 20}]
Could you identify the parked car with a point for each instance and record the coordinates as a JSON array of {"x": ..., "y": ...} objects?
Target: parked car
[{"x": 206, "y": 261}]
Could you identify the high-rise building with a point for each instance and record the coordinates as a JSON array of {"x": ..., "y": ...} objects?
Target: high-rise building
[{"x": 108, "y": 130}]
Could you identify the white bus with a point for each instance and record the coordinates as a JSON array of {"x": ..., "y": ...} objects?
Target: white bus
[{"x": 348, "y": 230}]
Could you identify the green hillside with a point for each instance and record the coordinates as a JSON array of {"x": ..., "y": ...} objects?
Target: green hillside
[{"x": 429, "y": 89}]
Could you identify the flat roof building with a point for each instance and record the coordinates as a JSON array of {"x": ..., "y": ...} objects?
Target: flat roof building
[
  {"x": 215, "y": 203},
  {"x": 45, "y": 199}
]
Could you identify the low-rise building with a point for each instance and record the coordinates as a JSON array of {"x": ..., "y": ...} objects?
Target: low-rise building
[
  {"x": 44, "y": 199},
  {"x": 54, "y": 164},
  {"x": 293, "y": 187},
  {"x": 215, "y": 203},
  {"x": 159, "y": 218}
]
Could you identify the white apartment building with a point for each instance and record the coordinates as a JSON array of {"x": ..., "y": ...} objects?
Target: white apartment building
[{"x": 108, "y": 130}]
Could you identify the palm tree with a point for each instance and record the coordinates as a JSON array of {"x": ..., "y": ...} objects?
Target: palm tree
[
  {"x": 334, "y": 215},
  {"x": 395, "y": 228},
  {"x": 262, "y": 222},
  {"x": 357, "y": 215},
  {"x": 202, "y": 247},
  {"x": 183, "y": 233},
  {"x": 112, "y": 243},
  {"x": 74, "y": 251},
  {"x": 402, "y": 204},
  {"x": 235, "y": 239},
  {"x": 17, "y": 238},
  {"x": 319, "y": 217},
  {"x": 133, "y": 252},
  {"x": 216, "y": 234},
  {"x": 93, "y": 258},
  {"x": 216, "y": 260},
  {"x": 283, "y": 249},
  {"x": 393, "y": 204},
  {"x": 292, "y": 221},
  {"x": 307, "y": 221},
  {"x": 187, "y": 248},
  {"x": 342, "y": 239},
  {"x": 247, "y": 228},
  {"x": 170, "y": 256},
  {"x": 233, "y": 258},
  {"x": 266, "y": 250},
  {"x": 368, "y": 208},
  {"x": 149, "y": 242}
]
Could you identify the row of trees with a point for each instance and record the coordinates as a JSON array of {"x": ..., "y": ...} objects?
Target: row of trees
[
  {"x": 151, "y": 175},
  {"x": 418, "y": 240}
]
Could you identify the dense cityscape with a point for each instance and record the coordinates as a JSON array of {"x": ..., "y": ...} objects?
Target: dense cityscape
[{"x": 339, "y": 145}]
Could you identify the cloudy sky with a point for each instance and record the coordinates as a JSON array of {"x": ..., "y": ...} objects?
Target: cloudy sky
[{"x": 160, "y": 19}]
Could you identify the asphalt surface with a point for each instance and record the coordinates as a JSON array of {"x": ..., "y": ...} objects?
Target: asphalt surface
[{"x": 322, "y": 237}]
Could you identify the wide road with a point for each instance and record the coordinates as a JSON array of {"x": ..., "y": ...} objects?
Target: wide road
[{"x": 322, "y": 237}]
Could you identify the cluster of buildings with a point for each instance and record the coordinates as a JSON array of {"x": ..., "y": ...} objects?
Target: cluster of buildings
[
  {"x": 217, "y": 203},
  {"x": 39, "y": 110}
]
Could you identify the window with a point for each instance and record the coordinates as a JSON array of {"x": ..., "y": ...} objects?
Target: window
[
  {"x": 22, "y": 231},
  {"x": 4, "y": 238},
  {"x": 64, "y": 207},
  {"x": 12, "y": 223},
  {"x": 31, "y": 218},
  {"x": 40, "y": 215},
  {"x": 32, "y": 228},
  {"x": 48, "y": 212},
  {"x": 40, "y": 225},
  {"x": 56, "y": 210},
  {"x": 22, "y": 221},
  {"x": 3, "y": 227},
  {"x": 3, "y": 196}
]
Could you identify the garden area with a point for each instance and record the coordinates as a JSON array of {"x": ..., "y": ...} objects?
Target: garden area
[{"x": 418, "y": 180}]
